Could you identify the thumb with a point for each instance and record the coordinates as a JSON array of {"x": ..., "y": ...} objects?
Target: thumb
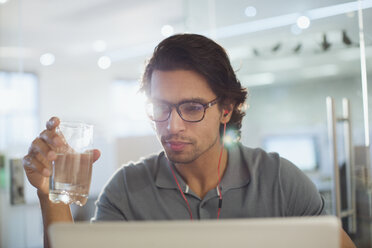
[{"x": 96, "y": 154}]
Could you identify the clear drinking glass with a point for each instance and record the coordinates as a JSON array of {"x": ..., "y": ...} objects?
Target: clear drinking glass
[{"x": 72, "y": 170}]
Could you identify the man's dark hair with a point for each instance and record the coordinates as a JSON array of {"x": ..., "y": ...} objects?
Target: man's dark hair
[{"x": 204, "y": 56}]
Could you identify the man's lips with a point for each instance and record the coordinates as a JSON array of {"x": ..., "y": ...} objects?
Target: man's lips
[{"x": 176, "y": 145}]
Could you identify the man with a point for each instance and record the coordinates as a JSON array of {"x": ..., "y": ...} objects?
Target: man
[{"x": 194, "y": 96}]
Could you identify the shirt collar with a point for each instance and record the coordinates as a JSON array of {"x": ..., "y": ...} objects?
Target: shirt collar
[
  {"x": 236, "y": 174},
  {"x": 164, "y": 177}
]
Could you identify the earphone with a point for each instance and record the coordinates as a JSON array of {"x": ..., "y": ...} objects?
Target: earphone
[{"x": 226, "y": 112}]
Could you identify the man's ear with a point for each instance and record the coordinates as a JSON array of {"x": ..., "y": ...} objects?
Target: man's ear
[{"x": 227, "y": 112}]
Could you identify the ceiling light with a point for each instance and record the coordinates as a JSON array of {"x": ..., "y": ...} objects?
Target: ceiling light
[
  {"x": 3, "y": 1},
  {"x": 104, "y": 62},
  {"x": 167, "y": 30},
  {"x": 47, "y": 59},
  {"x": 99, "y": 46},
  {"x": 303, "y": 22},
  {"x": 250, "y": 11}
]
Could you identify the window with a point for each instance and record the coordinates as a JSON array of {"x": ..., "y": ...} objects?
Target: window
[
  {"x": 18, "y": 111},
  {"x": 128, "y": 110}
]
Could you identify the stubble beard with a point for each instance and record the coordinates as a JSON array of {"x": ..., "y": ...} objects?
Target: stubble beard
[{"x": 189, "y": 157}]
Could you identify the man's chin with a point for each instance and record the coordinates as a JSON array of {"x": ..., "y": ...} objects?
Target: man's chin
[{"x": 179, "y": 158}]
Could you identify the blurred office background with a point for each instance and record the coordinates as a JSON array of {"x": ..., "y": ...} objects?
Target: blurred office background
[{"x": 82, "y": 60}]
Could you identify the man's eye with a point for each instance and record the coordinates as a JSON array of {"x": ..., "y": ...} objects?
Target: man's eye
[
  {"x": 192, "y": 107},
  {"x": 160, "y": 108}
]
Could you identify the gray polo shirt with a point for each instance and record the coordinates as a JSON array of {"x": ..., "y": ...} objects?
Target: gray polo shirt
[{"x": 255, "y": 184}]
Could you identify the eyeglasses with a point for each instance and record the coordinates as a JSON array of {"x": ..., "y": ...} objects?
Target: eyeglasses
[{"x": 189, "y": 111}]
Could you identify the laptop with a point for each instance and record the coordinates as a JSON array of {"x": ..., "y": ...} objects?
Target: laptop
[{"x": 304, "y": 232}]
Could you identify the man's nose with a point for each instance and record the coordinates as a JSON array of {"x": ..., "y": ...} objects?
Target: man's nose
[{"x": 175, "y": 122}]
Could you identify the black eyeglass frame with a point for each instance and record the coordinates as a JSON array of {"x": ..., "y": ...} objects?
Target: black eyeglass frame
[{"x": 177, "y": 105}]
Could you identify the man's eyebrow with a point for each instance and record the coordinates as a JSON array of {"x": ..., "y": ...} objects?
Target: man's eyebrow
[
  {"x": 192, "y": 99},
  {"x": 158, "y": 100}
]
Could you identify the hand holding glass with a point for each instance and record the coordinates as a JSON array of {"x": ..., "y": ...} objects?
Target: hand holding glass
[{"x": 72, "y": 170}]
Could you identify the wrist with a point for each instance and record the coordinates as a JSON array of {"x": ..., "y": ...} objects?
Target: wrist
[{"x": 42, "y": 195}]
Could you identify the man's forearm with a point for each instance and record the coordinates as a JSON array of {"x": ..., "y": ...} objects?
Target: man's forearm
[
  {"x": 346, "y": 242},
  {"x": 52, "y": 213}
]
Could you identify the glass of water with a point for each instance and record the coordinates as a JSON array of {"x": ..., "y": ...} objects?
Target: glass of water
[{"x": 72, "y": 170}]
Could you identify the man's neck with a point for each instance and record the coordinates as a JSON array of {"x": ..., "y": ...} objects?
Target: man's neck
[{"x": 202, "y": 174}]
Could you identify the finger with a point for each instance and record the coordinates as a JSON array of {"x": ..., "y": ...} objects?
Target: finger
[
  {"x": 52, "y": 123},
  {"x": 43, "y": 160},
  {"x": 51, "y": 138},
  {"x": 96, "y": 155},
  {"x": 30, "y": 163},
  {"x": 39, "y": 146},
  {"x": 93, "y": 155}
]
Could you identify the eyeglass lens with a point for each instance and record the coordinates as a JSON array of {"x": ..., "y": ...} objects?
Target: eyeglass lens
[{"x": 189, "y": 111}]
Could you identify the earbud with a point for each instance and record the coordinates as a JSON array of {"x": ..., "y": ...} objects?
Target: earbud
[{"x": 225, "y": 113}]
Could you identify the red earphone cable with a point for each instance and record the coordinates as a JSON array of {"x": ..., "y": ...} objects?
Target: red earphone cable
[
  {"x": 219, "y": 175},
  {"x": 183, "y": 195}
]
